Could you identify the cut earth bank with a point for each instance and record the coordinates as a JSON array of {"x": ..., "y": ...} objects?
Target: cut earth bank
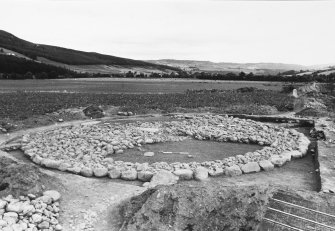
[{"x": 102, "y": 202}]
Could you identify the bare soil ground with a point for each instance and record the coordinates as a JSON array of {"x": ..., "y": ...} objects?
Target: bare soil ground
[
  {"x": 199, "y": 150},
  {"x": 111, "y": 85}
]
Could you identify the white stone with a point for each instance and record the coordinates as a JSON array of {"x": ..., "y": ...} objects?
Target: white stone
[
  {"x": 36, "y": 218},
  {"x": 45, "y": 199},
  {"x": 149, "y": 154},
  {"x": 100, "y": 172},
  {"x": 184, "y": 174},
  {"x": 10, "y": 217},
  {"x": 217, "y": 171},
  {"x": 129, "y": 174},
  {"x": 163, "y": 177},
  {"x": 58, "y": 227},
  {"x": 2, "y": 223},
  {"x": 277, "y": 160},
  {"x": 233, "y": 170},
  {"x": 286, "y": 155},
  {"x": 114, "y": 173},
  {"x": 201, "y": 173},
  {"x": 3, "y": 204},
  {"x": 28, "y": 209},
  {"x": 14, "y": 207},
  {"x": 85, "y": 171},
  {"x": 145, "y": 175},
  {"x": 55, "y": 195},
  {"x": 296, "y": 154},
  {"x": 250, "y": 167},
  {"x": 266, "y": 165}
]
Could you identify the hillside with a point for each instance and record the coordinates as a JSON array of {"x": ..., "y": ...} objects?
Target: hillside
[
  {"x": 17, "y": 67},
  {"x": 207, "y": 66},
  {"x": 66, "y": 56}
]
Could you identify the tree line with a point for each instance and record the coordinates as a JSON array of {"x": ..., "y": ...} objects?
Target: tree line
[{"x": 12, "y": 67}]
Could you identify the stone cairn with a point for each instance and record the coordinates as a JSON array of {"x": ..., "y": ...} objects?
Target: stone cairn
[
  {"x": 30, "y": 213},
  {"x": 89, "y": 150}
]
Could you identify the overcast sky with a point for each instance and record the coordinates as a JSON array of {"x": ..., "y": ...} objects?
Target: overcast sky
[{"x": 300, "y": 32}]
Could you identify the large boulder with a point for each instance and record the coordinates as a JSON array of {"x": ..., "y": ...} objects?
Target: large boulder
[
  {"x": 200, "y": 206},
  {"x": 266, "y": 165},
  {"x": 287, "y": 155},
  {"x": 217, "y": 171},
  {"x": 16, "y": 207},
  {"x": 51, "y": 163},
  {"x": 55, "y": 195},
  {"x": 3, "y": 204},
  {"x": 250, "y": 167},
  {"x": 277, "y": 160},
  {"x": 129, "y": 174},
  {"x": 200, "y": 173},
  {"x": 100, "y": 172},
  {"x": 184, "y": 174},
  {"x": 114, "y": 173},
  {"x": 296, "y": 154},
  {"x": 233, "y": 170},
  {"x": 163, "y": 177},
  {"x": 94, "y": 112},
  {"x": 86, "y": 171},
  {"x": 145, "y": 175}
]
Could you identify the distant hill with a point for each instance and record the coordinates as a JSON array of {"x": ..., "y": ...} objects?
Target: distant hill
[
  {"x": 68, "y": 57},
  {"x": 207, "y": 66}
]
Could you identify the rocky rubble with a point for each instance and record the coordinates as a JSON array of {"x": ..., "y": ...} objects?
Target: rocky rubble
[
  {"x": 89, "y": 150},
  {"x": 30, "y": 213},
  {"x": 6, "y": 127},
  {"x": 94, "y": 111}
]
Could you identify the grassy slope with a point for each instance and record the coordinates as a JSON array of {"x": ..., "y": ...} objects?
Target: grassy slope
[{"x": 66, "y": 56}]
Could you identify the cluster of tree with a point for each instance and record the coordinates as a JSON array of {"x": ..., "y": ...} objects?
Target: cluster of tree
[
  {"x": 242, "y": 76},
  {"x": 12, "y": 67},
  {"x": 258, "y": 77}
]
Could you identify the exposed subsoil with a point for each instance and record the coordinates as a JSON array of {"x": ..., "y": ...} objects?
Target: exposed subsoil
[
  {"x": 197, "y": 206},
  {"x": 200, "y": 151}
]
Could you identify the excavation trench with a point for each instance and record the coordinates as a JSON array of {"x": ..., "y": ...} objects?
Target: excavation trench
[{"x": 179, "y": 209}]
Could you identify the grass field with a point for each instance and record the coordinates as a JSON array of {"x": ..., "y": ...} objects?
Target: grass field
[{"x": 129, "y": 86}]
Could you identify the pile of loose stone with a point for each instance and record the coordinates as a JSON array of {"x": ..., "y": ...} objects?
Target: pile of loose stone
[
  {"x": 30, "y": 213},
  {"x": 89, "y": 150}
]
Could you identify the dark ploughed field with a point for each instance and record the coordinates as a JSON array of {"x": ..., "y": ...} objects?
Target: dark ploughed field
[{"x": 118, "y": 86}]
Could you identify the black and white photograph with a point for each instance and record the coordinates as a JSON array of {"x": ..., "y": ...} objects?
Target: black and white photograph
[{"x": 167, "y": 115}]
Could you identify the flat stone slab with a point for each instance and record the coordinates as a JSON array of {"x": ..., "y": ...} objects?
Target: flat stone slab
[
  {"x": 89, "y": 123},
  {"x": 153, "y": 130},
  {"x": 149, "y": 154}
]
